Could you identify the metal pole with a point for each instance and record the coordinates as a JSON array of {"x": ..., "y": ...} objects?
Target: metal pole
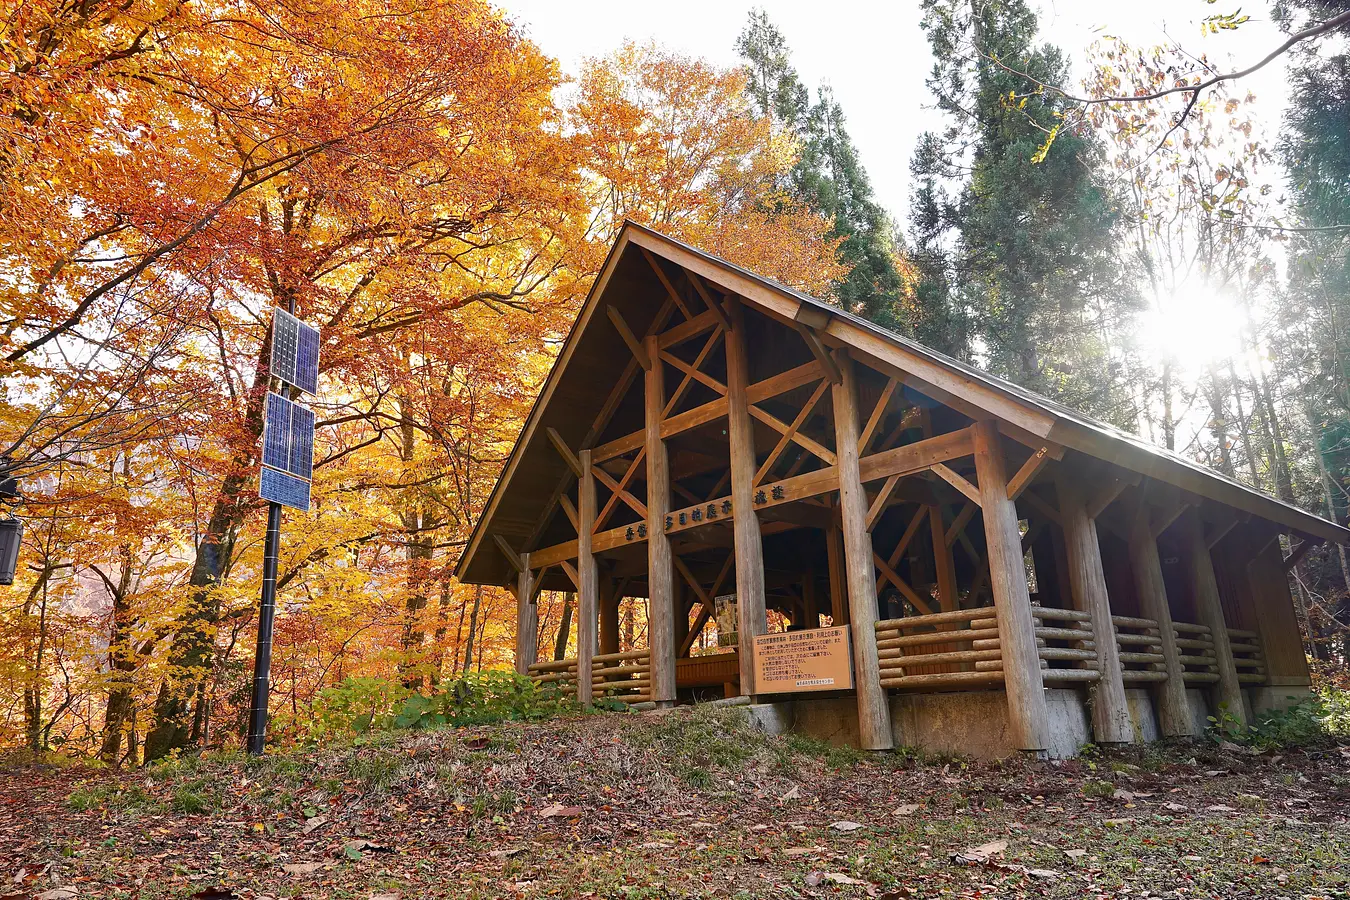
[{"x": 262, "y": 660}]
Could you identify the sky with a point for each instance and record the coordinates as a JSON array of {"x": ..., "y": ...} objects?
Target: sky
[{"x": 875, "y": 56}]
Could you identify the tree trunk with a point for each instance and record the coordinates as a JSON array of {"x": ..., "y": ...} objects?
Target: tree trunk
[
  {"x": 473, "y": 625},
  {"x": 181, "y": 704},
  {"x": 560, "y": 645}
]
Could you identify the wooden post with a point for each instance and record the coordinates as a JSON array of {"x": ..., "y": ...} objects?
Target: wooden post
[
  {"x": 588, "y": 591},
  {"x": 1110, "y": 710},
  {"x": 943, "y": 562},
  {"x": 660, "y": 560},
  {"x": 609, "y": 615},
  {"x": 834, "y": 554},
  {"x": 1210, "y": 609},
  {"x": 874, "y": 716},
  {"x": 682, "y": 603},
  {"x": 752, "y": 619},
  {"x": 527, "y": 619},
  {"x": 1028, "y": 715},
  {"x": 1174, "y": 713}
]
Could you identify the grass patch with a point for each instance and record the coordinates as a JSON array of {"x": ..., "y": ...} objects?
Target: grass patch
[
  {"x": 701, "y": 743},
  {"x": 89, "y": 797}
]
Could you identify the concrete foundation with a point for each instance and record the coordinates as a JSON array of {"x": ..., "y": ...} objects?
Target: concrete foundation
[
  {"x": 975, "y": 723},
  {"x": 1143, "y": 717},
  {"x": 964, "y": 723},
  {"x": 1270, "y": 698}
]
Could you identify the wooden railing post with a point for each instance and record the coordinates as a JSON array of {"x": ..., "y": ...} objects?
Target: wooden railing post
[
  {"x": 1210, "y": 609},
  {"x": 1174, "y": 715},
  {"x": 1028, "y": 715},
  {"x": 588, "y": 591},
  {"x": 1110, "y": 710},
  {"x": 874, "y": 717},
  {"x": 609, "y": 615},
  {"x": 660, "y": 561},
  {"x": 527, "y": 619},
  {"x": 749, "y": 542}
]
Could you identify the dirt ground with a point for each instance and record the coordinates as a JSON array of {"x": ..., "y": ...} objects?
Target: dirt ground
[{"x": 687, "y": 804}]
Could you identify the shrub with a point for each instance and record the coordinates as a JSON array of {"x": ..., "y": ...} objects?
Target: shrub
[
  {"x": 362, "y": 705},
  {"x": 1321, "y": 718}
]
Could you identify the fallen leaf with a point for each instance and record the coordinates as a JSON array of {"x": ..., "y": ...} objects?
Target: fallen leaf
[
  {"x": 215, "y": 893},
  {"x": 1122, "y": 794},
  {"x": 60, "y": 893},
  {"x": 1116, "y": 823},
  {"x": 1219, "y": 807},
  {"x": 846, "y": 826},
  {"x": 308, "y": 868},
  {"x": 476, "y": 743},
  {"x": 794, "y": 794},
  {"x": 841, "y": 878},
  {"x": 508, "y": 853},
  {"x": 974, "y": 856},
  {"x": 1043, "y": 873},
  {"x": 1176, "y": 807},
  {"x": 315, "y": 822},
  {"x": 1075, "y": 853},
  {"x": 906, "y": 809},
  {"x": 557, "y": 809},
  {"x": 655, "y": 845},
  {"x": 799, "y": 851},
  {"x": 391, "y": 896}
]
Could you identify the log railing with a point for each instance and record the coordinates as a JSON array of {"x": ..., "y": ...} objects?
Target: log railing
[
  {"x": 1195, "y": 644},
  {"x": 622, "y": 676},
  {"x": 1064, "y": 643},
  {"x": 562, "y": 672},
  {"x": 1247, "y": 656},
  {"x": 1141, "y": 650},
  {"x": 910, "y": 649}
]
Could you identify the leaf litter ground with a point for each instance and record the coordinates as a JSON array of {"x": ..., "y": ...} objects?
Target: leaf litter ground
[{"x": 691, "y": 803}]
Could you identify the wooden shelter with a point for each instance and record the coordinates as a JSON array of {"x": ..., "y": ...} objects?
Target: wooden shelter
[{"x": 706, "y": 431}]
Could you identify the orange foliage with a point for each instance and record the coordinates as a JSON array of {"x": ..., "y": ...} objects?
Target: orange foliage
[{"x": 403, "y": 176}]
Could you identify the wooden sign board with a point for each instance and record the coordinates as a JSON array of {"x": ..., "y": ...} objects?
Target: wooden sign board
[{"x": 819, "y": 659}]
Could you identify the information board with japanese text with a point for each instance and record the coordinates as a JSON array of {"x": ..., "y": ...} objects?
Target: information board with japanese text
[{"x": 818, "y": 659}]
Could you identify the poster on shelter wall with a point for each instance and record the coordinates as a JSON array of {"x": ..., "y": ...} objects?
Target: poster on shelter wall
[
  {"x": 818, "y": 659},
  {"x": 728, "y": 621}
]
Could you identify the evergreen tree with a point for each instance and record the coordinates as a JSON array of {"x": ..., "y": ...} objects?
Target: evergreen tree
[
  {"x": 828, "y": 176},
  {"x": 1013, "y": 220}
]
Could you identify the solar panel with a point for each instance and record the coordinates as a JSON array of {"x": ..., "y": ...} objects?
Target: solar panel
[
  {"x": 295, "y": 351},
  {"x": 302, "y": 442},
  {"x": 288, "y": 447},
  {"x": 285, "y": 489}
]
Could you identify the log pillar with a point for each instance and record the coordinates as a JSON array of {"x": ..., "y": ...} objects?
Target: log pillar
[
  {"x": 874, "y": 717},
  {"x": 527, "y": 618},
  {"x": 1110, "y": 710},
  {"x": 943, "y": 563},
  {"x": 1028, "y": 715},
  {"x": 1174, "y": 713},
  {"x": 660, "y": 560},
  {"x": 588, "y": 591},
  {"x": 752, "y": 619},
  {"x": 834, "y": 554},
  {"x": 1200, "y": 567},
  {"x": 609, "y": 615}
]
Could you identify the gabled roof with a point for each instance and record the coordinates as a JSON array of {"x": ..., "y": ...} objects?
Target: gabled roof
[{"x": 592, "y": 358}]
